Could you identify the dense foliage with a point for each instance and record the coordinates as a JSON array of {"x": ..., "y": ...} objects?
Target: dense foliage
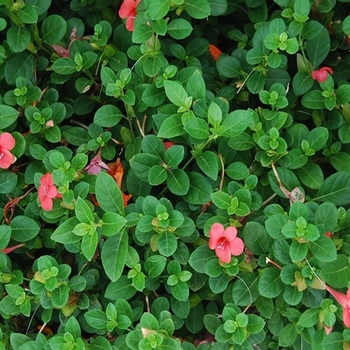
[{"x": 175, "y": 174}]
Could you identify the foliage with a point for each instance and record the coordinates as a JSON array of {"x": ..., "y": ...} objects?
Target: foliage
[{"x": 133, "y": 132}]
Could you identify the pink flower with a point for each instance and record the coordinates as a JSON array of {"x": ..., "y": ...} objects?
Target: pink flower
[
  {"x": 7, "y": 142},
  {"x": 344, "y": 301},
  {"x": 61, "y": 51},
  {"x": 321, "y": 74},
  {"x": 47, "y": 191},
  {"x": 128, "y": 10},
  {"x": 225, "y": 242},
  {"x": 96, "y": 165}
]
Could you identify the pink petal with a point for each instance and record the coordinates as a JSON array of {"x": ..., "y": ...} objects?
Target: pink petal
[
  {"x": 339, "y": 297},
  {"x": 7, "y": 141},
  {"x": 216, "y": 233},
  {"x": 230, "y": 233},
  {"x": 47, "y": 180},
  {"x": 52, "y": 192},
  {"x": 346, "y": 316},
  {"x": 127, "y": 9},
  {"x": 46, "y": 203},
  {"x": 236, "y": 246},
  {"x": 6, "y": 158},
  {"x": 130, "y": 24},
  {"x": 224, "y": 253}
]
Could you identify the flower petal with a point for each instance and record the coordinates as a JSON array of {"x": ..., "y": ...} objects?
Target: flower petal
[
  {"x": 216, "y": 233},
  {"x": 7, "y": 158},
  {"x": 47, "y": 180},
  {"x": 127, "y": 9},
  {"x": 236, "y": 246},
  {"x": 130, "y": 24},
  {"x": 230, "y": 233},
  {"x": 7, "y": 141},
  {"x": 346, "y": 316},
  {"x": 223, "y": 253},
  {"x": 47, "y": 203},
  {"x": 52, "y": 192},
  {"x": 339, "y": 297}
]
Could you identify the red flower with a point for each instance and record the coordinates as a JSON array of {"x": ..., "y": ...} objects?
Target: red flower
[
  {"x": 128, "y": 10},
  {"x": 215, "y": 52},
  {"x": 117, "y": 171},
  {"x": 168, "y": 144},
  {"x": 321, "y": 74},
  {"x": 96, "y": 165},
  {"x": 344, "y": 301},
  {"x": 47, "y": 191},
  {"x": 7, "y": 142},
  {"x": 225, "y": 242}
]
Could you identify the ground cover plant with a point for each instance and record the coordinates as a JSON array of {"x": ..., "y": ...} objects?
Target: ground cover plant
[{"x": 174, "y": 174}]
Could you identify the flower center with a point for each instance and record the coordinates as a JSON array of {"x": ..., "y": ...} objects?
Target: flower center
[
  {"x": 45, "y": 190},
  {"x": 222, "y": 243}
]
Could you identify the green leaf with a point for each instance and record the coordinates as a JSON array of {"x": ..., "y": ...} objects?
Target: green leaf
[
  {"x": 256, "y": 238},
  {"x": 228, "y": 66},
  {"x": 18, "y": 38},
  {"x": 141, "y": 164},
  {"x": 155, "y": 265},
  {"x": 174, "y": 155},
  {"x": 171, "y": 127},
  {"x": 142, "y": 33},
  {"x": 112, "y": 223},
  {"x": 318, "y": 47},
  {"x": 255, "y": 324},
  {"x": 83, "y": 211},
  {"x": 96, "y": 319},
  {"x": 327, "y": 215},
  {"x": 197, "y": 128},
  {"x": 179, "y": 28},
  {"x": 108, "y": 194},
  {"x": 335, "y": 189},
  {"x": 324, "y": 249},
  {"x": 89, "y": 244},
  {"x": 64, "y": 66},
  {"x": 197, "y": 9},
  {"x": 157, "y": 175},
  {"x": 337, "y": 273},
  {"x": 270, "y": 283},
  {"x": 53, "y": 29},
  {"x": 311, "y": 175},
  {"x": 218, "y": 284},
  {"x": 309, "y": 318},
  {"x": 318, "y": 137},
  {"x": 199, "y": 258},
  {"x": 302, "y": 83},
  {"x": 236, "y": 122},
  {"x": 5, "y": 235},
  {"x": 63, "y": 233},
  {"x": 113, "y": 255},
  {"x": 288, "y": 335},
  {"x": 180, "y": 291},
  {"x": 175, "y": 92},
  {"x": 23, "y": 228},
  {"x": 298, "y": 251},
  {"x": 157, "y": 9},
  {"x": 199, "y": 191},
  {"x": 167, "y": 244},
  {"x": 208, "y": 162},
  {"x": 8, "y": 182},
  {"x": 178, "y": 182},
  {"x": 28, "y": 14},
  {"x": 8, "y": 115},
  {"x": 107, "y": 116},
  {"x": 221, "y": 199}
]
